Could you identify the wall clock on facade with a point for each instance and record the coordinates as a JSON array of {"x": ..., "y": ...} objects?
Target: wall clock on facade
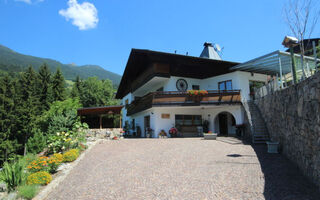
[{"x": 182, "y": 85}]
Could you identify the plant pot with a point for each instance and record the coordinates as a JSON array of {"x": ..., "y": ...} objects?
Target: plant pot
[
  {"x": 209, "y": 136},
  {"x": 273, "y": 147}
]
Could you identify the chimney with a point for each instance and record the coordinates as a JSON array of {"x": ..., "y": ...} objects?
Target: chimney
[{"x": 209, "y": 52}]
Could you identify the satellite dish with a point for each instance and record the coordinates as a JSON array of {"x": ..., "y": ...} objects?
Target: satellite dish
[{"x": 217, "y": 47}]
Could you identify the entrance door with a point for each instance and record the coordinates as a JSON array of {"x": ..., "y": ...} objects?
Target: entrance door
[
  {"x": 223, "y": 124},
  {"x": 146, "y": 124}
]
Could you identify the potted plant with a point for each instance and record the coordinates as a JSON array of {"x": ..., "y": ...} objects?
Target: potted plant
[
  {"x": 205, "y": 125},
  {"x": 162, "y": 134},
  {"x": 210, "y": 136},
  {"x": 121, "y": 133},
  {"x": 197, "y": 94},
  {"x": 173, "y": 132},
  {"x": 149, "y": 132}
]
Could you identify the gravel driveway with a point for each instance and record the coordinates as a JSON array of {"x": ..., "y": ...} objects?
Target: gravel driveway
[{"x": 186, "y": 168}]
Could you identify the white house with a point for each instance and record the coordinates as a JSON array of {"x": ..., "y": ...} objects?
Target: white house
[{"x": 154, "y": 89}]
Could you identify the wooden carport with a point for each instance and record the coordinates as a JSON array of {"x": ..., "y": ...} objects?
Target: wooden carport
[{"x": 100, "y": 112}]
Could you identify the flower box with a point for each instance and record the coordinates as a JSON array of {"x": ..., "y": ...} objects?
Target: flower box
[
  {"x": 273, "y": 147},
  {"x": 210, "y": 136}
]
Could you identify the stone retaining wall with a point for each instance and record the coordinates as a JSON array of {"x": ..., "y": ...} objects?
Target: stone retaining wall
[
  {"x": 104, "y": 133},
  {"x": 292, "y": 117}
]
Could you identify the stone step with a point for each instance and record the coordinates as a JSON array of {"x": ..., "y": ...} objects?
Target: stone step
[
  {"x": 260, "y": 139},
  {"x": 260, "y": 132},
  {"x": 259, "y": 128},
  {"x": 260, "y": 136},
  {"x": 258, "y": 123},
  {"x": 260, "y": 142}
]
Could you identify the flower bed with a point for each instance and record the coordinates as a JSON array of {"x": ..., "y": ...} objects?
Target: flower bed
[
  {"x": 39, "y": 178},
  {"x": 26, "y": 173},
  {"x": 71, "y": 155}
]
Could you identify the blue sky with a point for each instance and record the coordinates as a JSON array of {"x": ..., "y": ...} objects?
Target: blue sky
[{"x": 103, "y": 32}]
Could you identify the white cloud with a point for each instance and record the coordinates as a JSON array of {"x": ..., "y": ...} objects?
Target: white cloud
[
  {"x": 25, "y": 1},
  {"x": 84, "y": 16},
  {"x": 30, "y": 1}
]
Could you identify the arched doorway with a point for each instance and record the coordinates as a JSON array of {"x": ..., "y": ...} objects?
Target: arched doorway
[{"x": 225, "y": 124}]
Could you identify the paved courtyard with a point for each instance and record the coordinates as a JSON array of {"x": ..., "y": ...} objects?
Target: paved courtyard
[{"x": 186, "y": 168}]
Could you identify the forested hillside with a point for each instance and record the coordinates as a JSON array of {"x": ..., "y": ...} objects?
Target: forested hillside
[{"x": 12, "y": 61}]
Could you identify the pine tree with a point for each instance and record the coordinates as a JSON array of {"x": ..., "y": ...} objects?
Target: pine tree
[
  {"x": 77, "y": 88},
  {"x": 28, "y": 106},
  {"x": 58, "y": 89},
  {"x": 44, "y": 85},
  {"x": 8, "y": 144}
]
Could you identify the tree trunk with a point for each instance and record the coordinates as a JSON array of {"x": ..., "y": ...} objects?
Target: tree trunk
[{"x": 25, "y": 146}]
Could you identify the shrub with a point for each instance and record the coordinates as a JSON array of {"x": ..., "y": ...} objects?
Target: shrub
[
  {"x": 39, "y": 178},
  {"x": 54, "y": 162},
  {"x": 70, "y": 155},
  {"x": 61, "y": 116},
  {"x": 28, "y": 191},
  {"x": 65, "y": 140},
  {"x": 37, "y": 143},
  {"x": 13, "y": 174},
  {"x": 59, "y": 142},
  {"x": 40, "y": 164}
]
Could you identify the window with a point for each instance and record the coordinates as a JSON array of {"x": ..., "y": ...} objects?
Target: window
[
  {"x": 188, "y": 120},
  {"x": 196, "y": 87},
  {"x": 225, "y": 85}
]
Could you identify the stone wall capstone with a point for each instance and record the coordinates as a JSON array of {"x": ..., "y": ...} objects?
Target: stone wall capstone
[{"x": 292, "y": 117}]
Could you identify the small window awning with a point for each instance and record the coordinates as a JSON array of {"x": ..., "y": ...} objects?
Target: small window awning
[
  {"x": 276, "y": 63},
  {"x": 100, "y": 110}
]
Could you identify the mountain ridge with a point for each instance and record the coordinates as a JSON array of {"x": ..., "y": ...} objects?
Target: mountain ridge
[{"x": 13, "y": 61}]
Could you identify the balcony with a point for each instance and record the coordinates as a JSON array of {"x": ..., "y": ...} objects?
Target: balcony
[{"x": 158, "y": 99}]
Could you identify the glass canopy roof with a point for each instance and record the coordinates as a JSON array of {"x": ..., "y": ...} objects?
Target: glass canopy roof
[{"x": 278, "y": 63}]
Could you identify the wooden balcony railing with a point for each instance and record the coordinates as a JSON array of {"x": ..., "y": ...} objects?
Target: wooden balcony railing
[{"x": 175, "y": 98}]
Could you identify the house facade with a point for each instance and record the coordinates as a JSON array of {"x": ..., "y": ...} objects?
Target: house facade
[{"x": 156, "y": 92}]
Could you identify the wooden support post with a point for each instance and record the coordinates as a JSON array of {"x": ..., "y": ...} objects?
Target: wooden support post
[
  {"x": 280, "y": 69},
  {"x": 315, "y": 54},
  {"x": 100, "y": 121},
  {"x": 308, "y": 70},
  {"x": 120, "y": 121},
  {"x": 277, "y": 83}
]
